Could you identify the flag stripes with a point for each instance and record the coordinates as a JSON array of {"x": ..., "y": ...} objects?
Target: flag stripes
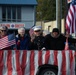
[
  {"x": 47, "y": 55},
  {"x": 21, "y": 62},
  {"x": 1, "y": 62},
  {"x": 63, "y": 70},
  {"x": 7, "y": 41},
  {"x": 71, "y": 19}
]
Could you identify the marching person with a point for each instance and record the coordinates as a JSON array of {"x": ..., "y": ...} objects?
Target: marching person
[
  {"x": 56, "y": 41},
  {"x": 37, "y": 40},
  {"x": 22, "y": 39}
]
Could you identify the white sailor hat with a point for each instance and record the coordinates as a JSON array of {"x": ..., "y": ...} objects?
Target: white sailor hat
[{"x": 36, "y": 28}]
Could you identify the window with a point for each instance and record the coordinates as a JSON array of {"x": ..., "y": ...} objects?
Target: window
[
  {"x": 9, "y": 13},
  {"x": 18, "y": 14},
  {"x": 12, "y": 14},
  {"x": 3, "y": 14}
]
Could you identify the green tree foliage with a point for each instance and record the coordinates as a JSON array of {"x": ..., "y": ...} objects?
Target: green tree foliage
[{"x": 46, "y": 10}]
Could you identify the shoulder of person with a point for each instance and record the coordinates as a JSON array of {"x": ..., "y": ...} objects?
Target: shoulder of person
[
  {"x": 63, "y": 35},
  {"x": 48, "y": 35},
  {"x": 27, "y": 36}
]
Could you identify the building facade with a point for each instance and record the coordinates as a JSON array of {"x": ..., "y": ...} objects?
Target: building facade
[
  {"x": 51, "y": 24},
  {"x": 17, "y": 13}
]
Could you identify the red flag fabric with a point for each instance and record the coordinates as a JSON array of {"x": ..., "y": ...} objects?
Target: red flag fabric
[
  {"x": 24, "y": 62},
  {"x": 71, "y": 19}
]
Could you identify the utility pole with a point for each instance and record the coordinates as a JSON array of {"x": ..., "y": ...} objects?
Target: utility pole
[
  {"x": 65, "y": 12},
  {"x": 58, "y": 13}
]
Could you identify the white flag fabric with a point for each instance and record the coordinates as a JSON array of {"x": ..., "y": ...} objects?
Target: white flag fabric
[{"x": 24, "y": 62}]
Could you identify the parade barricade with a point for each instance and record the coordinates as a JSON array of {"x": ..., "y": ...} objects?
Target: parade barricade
[{"x": 25, "y": 62}]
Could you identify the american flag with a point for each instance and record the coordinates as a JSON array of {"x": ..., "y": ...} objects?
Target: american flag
[
  {"x": 71, "y": 18},
  {"x": 31, "y": 31},
  {"x": 7, "y": 41},
  {"x": 24, "y": 62}
]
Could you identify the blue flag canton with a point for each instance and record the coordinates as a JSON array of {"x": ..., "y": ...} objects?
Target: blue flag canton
[
  {"x": 73, "y": 2},
  {"x": 11, "y": 37}
]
